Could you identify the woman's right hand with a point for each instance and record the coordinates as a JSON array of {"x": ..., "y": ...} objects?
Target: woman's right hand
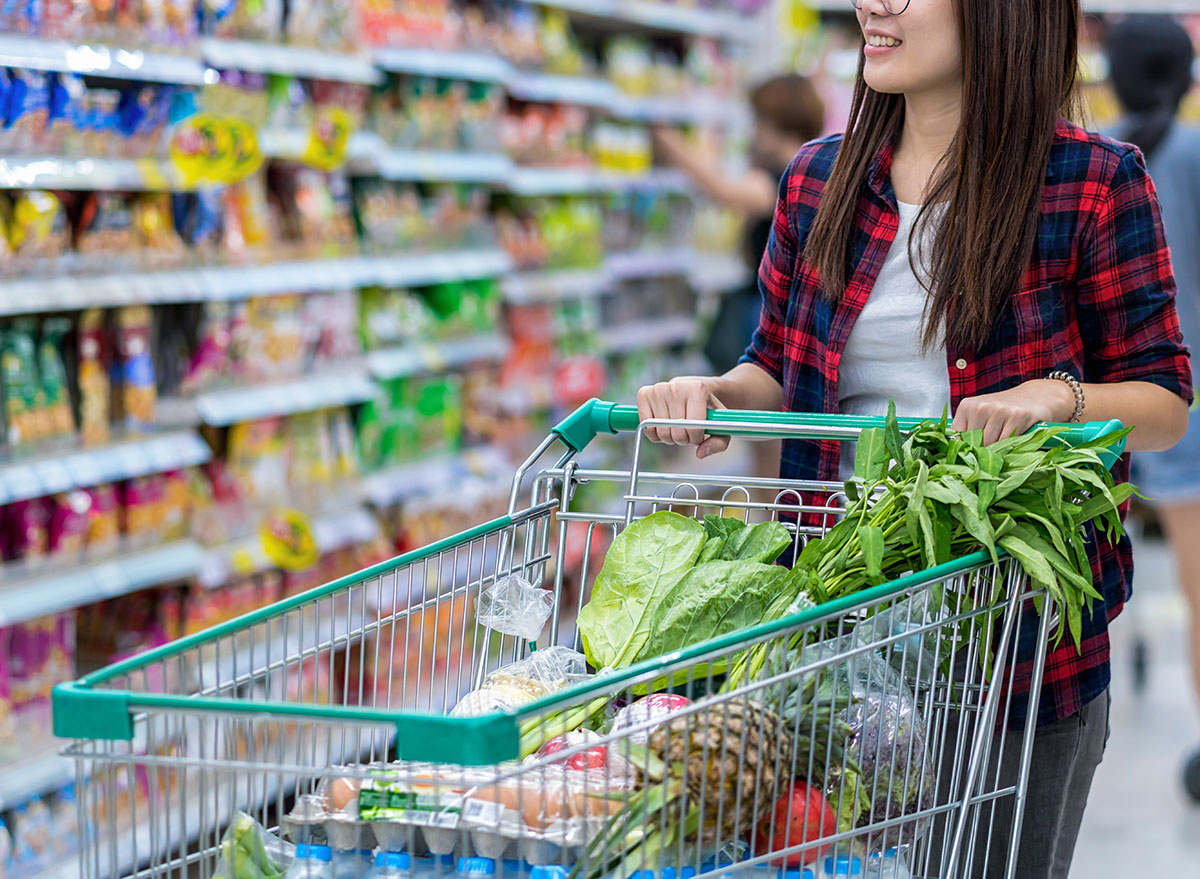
[{"x": 688, "y": 398}]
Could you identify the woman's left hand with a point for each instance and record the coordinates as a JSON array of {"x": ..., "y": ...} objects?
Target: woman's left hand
[{"x": 1016, "y": 410}]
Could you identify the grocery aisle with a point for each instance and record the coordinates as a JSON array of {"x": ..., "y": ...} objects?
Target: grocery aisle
[{"x": 1139, "y": 820}]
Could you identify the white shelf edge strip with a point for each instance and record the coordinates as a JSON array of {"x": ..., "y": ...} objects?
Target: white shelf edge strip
[
  {"x": 93, "y": 59},
  {"x": 321, "y": 391},
  {"x": 291, "y": 60},
  {"x": 23, "y": 479},
  {"x": 391, "y": 363},
  {"x": 234, "y": 282},
  {"x": 37, "y": 596},
  {"x": 23, "y": 777}
]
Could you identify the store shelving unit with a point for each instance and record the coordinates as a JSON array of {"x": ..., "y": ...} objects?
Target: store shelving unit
[{"x": 30, "y": 593}]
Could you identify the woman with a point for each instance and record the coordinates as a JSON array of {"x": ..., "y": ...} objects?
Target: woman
[
  {"x": 788, "y": 113},
  {"x": 957, "y": 246},
  {"x": 1150, "y": 63}
]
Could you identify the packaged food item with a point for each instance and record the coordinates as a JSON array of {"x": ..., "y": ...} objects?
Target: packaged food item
[
  {"x": 24, "y": 420},
  {"x": 104, "y": 521},
  {"x": 68, "y": 524},
  {"x": 26, "y": 111},
  {"x": 64, "y": 818},
  {"x": 9, "y": 745},
  {"x": 32, "y": 851},
  {"x": 136, "y": 392},
  {"x": 94, "y": 388},
  {"x": 59, "y": 420},
  {"x": 157, "y": 242},
  {"x": 141, "y": 509},
  {"x": 520, "y": 683},
  {"x": 175, "y": 504},
  {"x": 210, "y": 362},
  {"x": 28, "y": 533},
  {"x": 37, "y": 227},
  {"x": 106, "y": 229}
]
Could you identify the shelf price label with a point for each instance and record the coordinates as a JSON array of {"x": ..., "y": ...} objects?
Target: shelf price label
[
  {"x": 328, "y": 138},
  {"x": 288, "y": 540}
]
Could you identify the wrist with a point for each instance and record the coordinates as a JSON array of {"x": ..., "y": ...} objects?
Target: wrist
[{"x": 1062, "y": 400}]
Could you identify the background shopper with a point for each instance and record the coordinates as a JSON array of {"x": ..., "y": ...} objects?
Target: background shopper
[
  {"x": 1150, "y": 62},
  {"x": 958, "y": 245}
]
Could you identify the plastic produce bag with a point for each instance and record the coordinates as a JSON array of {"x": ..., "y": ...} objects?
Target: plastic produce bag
[
  {"x": 519, "y": 683},
  {"x": 248, "y": 851},
  {"x": 514, "y": 606},
  {"x": 913, "y": 657},
  {"x": 889, "y": 743}
]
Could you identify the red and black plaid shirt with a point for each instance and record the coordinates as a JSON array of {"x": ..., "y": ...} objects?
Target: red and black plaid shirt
[{"x": 1098, "y": 302}]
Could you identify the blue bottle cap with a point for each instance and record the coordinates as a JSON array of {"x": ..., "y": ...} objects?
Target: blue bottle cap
[
  {"x": 796, "y": 873},
  {"x": 843, "y": 866},
  {"x": 477, "y": 866},
  {"x": 642, "y": 874},
  {"x": 318, "y": 852},
  {"x": 396, "y": 860},
  {"x": 681, "y": 873},
  {"x": 893, "y": 852},
  {"x": 366, "y": 852},
  {"x": 553, "y": 871}
]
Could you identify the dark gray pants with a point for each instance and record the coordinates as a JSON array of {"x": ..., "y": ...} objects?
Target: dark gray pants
[{"x": 1064, "y": 760}]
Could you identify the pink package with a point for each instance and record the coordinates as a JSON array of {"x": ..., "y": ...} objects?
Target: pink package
[
  {"x": 68, "y": 524},
  {"x": 8, "y": 726},
  {"x": 28, "y": 535}
]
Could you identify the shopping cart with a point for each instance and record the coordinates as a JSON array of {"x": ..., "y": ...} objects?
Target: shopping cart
[{"x": 256, "y": 715}]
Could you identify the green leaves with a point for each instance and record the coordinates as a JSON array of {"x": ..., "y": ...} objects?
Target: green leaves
[{"x": 936, "y": 495}]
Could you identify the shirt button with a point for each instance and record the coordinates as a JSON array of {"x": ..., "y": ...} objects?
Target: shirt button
[{"x": 960, "y": 363}]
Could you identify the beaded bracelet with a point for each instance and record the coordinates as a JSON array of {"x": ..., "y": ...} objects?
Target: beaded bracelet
[{"x": 1076, "y": 389}]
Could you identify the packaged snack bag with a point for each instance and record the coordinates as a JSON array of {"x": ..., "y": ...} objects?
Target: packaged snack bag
[
  {"x": 23, "y": 398},
  {"x": 104, "y": 521},
  {"x": 27, "y": 109},
  {"x": 106, "y": 229},
  {"x": 136, "y": 392},
  {"x": 94, "y": 388},
  {"x": 8, "y": 727},
  {"x": 175, "y": 505},
  {"x": 37, "y": 226},
  {"x": 68, "y": 524},
  {"x": 52, "y": 375},
  {"x": 158, "y": 244},
  {"x": 141, "y": 520}
]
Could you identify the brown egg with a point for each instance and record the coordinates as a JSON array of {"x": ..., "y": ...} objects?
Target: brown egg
[
  {"x": 541, "y": 808},
  {"x": 341, "y": 793}
]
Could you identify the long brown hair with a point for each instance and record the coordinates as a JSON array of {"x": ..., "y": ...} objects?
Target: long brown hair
[{"x": 1020, "y": 59}]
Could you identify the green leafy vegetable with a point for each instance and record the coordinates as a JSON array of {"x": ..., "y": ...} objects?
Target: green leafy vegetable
[{"x": 643, "y": 563}]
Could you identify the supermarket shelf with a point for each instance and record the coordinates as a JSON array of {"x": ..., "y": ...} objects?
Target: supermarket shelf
[
  {"x": 324, "y": 390},
  {"x": 650, "y": 263},
  {"x": 22, "y": 478},
  {"x": 50, "y": 172},
  {"x": 660, "y": 16},
  {"x": 442, "y": 166},
  {"x": 292, "y": 144},
  {"x": 96, "y": 60},
  {"x": 588, "y": 91},
  {"x": 694, "y": 109},
  {"x": 656, "y": 333},
  {"x": 717, "y": 273},
  {"x": 289, "y": 60},
  {"x": 567, "y": 181},
  {"x": 69, "y": 293},
  {"x": 474, "y": 66},
  {"x": 528, "y": 288},
  {"x": 33, "y": 774},
  {"x": 430, "y": 477},
  {"x": 37, "y": 596},
  {"x": 436, "y": 357},
  {"x": 244, "y": 555}
]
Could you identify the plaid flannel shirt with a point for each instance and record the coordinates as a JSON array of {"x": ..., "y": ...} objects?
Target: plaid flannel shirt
[{"x": 1098, "y": 301}]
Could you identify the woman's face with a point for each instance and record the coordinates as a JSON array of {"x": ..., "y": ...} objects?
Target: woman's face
[{"x": 912, "y": 53}]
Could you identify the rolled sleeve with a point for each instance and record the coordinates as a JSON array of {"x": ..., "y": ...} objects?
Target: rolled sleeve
[
  {"x": 1127, "y": 315},
  {"x": 775, "y": 277}
]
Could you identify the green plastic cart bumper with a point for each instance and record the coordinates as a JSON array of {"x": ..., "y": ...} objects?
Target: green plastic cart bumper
[{"x": 595, "y": 417}]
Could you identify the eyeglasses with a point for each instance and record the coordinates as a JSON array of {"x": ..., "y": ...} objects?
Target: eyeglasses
[{"x": 892, "y": 7}]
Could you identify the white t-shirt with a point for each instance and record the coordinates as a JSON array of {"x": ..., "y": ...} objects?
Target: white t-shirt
[{"x": 883, "y": 358}]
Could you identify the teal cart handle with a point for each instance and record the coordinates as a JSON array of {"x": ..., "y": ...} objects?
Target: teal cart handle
[{"x": 594, "y": 417}]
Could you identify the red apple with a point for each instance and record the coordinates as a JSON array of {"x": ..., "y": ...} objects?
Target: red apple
[
  {"x": 811, "y": 819},
  {"x": 657, "y": 707},
  {"x": 592, "y": 758}
]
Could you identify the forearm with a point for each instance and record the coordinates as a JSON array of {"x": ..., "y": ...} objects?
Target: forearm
[
  {"x": 1159, "y": 418},
  {"x": 747, "y": 386},
  {"x": 752, "y": 193}
]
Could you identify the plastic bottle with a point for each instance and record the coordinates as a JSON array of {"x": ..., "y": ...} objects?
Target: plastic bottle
[
  {"x": 842, "y": 866},
  {"x": 891, "y": 864},
  {"x": 476, "y": 868},
  {"x": 311, "y": 862},
  {"x": 797, "y": 873},
  {"x": 514, "y": 868},
  {"x": 353, "y": 863},
  {"x": 434, "y": 867},
  {"x": 5, "y": 848},
  {"x": 552, "y": 871},
  {"x": 391, "y": 865}
]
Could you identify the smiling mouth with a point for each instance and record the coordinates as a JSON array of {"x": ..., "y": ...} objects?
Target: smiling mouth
[{"x": 883, "y": 42}]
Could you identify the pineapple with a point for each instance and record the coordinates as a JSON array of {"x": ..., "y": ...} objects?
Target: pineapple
[{"x": 707, "y": 778}]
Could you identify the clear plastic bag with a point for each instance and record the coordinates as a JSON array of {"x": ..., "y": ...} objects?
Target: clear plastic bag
[
  {"x": 249, "y": 851},
  {"x": 514, "y": 606},
  {"x": 889, "y": 742},
  {"x": 519, "y": 683}
]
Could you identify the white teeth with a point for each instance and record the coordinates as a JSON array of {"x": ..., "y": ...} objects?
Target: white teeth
[{"x": 882, "y": 42}]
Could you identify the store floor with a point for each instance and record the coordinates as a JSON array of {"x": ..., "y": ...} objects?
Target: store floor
[{"x": 1139, "y": 822}]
